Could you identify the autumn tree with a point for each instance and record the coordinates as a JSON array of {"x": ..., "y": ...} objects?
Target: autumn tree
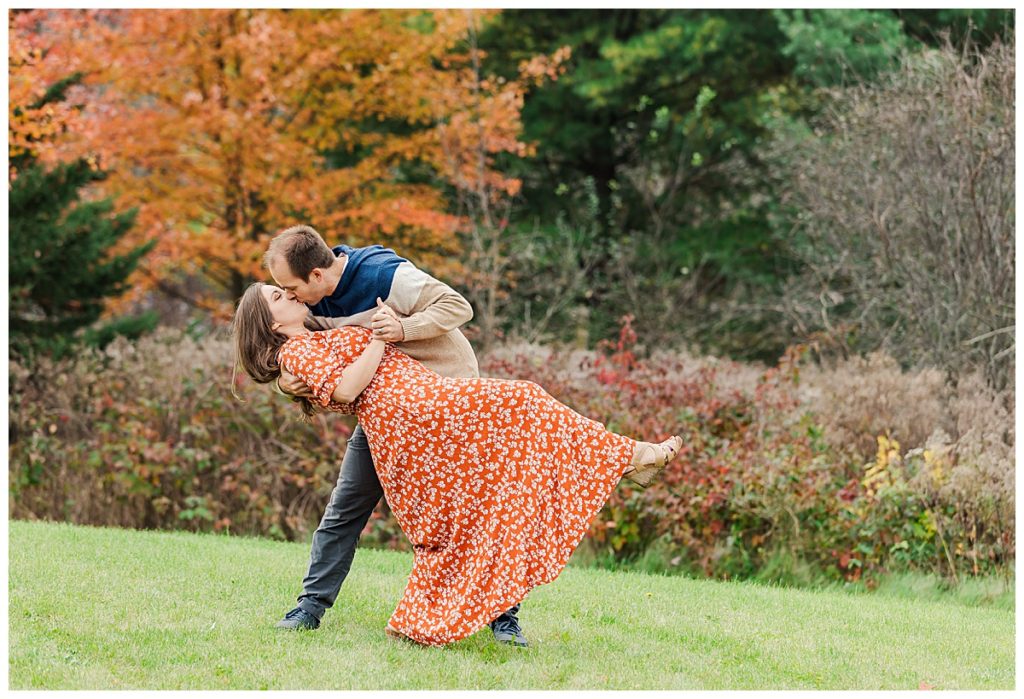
[{"x": 223, "y": 126}]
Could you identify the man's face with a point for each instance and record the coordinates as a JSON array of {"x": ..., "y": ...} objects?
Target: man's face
[{"x": 306, "y": 292}]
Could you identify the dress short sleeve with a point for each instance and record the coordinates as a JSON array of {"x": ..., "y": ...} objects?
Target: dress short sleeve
[{"x": 320, "y": 358}]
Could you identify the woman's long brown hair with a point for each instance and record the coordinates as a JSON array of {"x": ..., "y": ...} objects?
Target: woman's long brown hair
[{"x": 257, "y": 343}]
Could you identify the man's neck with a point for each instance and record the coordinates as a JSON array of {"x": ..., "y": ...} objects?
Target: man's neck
[{"x": 332, "y": 275}]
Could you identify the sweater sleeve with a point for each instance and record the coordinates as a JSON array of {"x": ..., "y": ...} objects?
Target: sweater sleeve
[{"x": 432, "y": 308}]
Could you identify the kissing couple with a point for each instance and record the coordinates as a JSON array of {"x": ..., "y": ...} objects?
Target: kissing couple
[{"x": 493, "y": 481}]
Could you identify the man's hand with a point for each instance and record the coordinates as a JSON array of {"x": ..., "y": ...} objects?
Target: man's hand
[
  {"x": 385, "y": 324},
  {"x": 293, "y": 385}
]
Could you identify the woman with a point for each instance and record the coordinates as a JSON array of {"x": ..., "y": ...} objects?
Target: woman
[{"x": 494, "y": 482}]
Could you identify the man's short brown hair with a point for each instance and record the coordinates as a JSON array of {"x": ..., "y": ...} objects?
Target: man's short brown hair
[{"x": 302, "y": 248}]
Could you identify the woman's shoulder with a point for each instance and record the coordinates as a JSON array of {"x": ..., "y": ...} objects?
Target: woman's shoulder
[{"x": 294, "y": 347}]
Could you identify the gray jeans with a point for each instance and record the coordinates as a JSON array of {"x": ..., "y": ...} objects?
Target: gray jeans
[{"x": 334, "y": 542}]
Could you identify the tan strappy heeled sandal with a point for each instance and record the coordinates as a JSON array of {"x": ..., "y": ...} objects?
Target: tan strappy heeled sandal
[{"x": 649, "y": 459}]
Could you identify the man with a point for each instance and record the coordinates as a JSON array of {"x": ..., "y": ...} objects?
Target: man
[{"x": 421, "y": 316}]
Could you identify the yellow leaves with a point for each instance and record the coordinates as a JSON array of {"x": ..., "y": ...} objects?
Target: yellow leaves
[
  {"x": 927, "y": 522},
  {"x": 877, "y": 473},
  {"x": 938, "y": 469},
  {"x": 935, "y": 458},
  {"x": 939, "y": 463},
  {"x": 889, "y": 467},
  {"x": 874, "y": 478},
  {"x": 888, "y": 450}
]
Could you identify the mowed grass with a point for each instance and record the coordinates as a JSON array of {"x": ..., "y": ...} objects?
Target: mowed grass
[{"x": 105, "y": 608}]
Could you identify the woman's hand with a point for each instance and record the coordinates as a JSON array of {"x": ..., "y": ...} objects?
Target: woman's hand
[{"x": 293, "y": 385}]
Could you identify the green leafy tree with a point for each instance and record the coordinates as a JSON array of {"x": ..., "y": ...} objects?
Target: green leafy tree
[
  {"x": 830, "y": 47},
  {"x": 646, "y": 143}
]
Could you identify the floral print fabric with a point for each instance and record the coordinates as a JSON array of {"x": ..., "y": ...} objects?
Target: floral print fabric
[{"x": 494, "y": 482}]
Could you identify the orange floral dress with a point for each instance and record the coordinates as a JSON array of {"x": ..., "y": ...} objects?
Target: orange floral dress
[{"x": 494, "y": 482}]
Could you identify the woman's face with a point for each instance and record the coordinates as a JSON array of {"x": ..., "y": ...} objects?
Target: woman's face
[{"x": 284, "y": 310}]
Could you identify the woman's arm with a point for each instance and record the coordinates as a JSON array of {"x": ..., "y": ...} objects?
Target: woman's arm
[{"x": 358, "y": 374}]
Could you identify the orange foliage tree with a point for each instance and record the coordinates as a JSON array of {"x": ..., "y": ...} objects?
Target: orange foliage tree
[
  {"x": 224, "y": 126},
  {"x": 34, "y": 66}
]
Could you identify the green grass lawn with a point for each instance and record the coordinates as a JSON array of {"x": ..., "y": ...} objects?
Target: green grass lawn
[{"x": 105, "y": 608}]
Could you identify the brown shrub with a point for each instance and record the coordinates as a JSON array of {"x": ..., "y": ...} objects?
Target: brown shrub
[
  {"x": 148, "y": 435},
  {"x": 903, "y": 199},
  {"x": 860, "y": 398}
]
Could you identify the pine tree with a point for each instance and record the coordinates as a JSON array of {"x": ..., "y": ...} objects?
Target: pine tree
[{"x": 60, "y": 271}]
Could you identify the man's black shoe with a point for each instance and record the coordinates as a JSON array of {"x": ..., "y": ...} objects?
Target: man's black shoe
[
  {"x": 298, "y": 619},
  {"x": 506, "y": 629}
]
